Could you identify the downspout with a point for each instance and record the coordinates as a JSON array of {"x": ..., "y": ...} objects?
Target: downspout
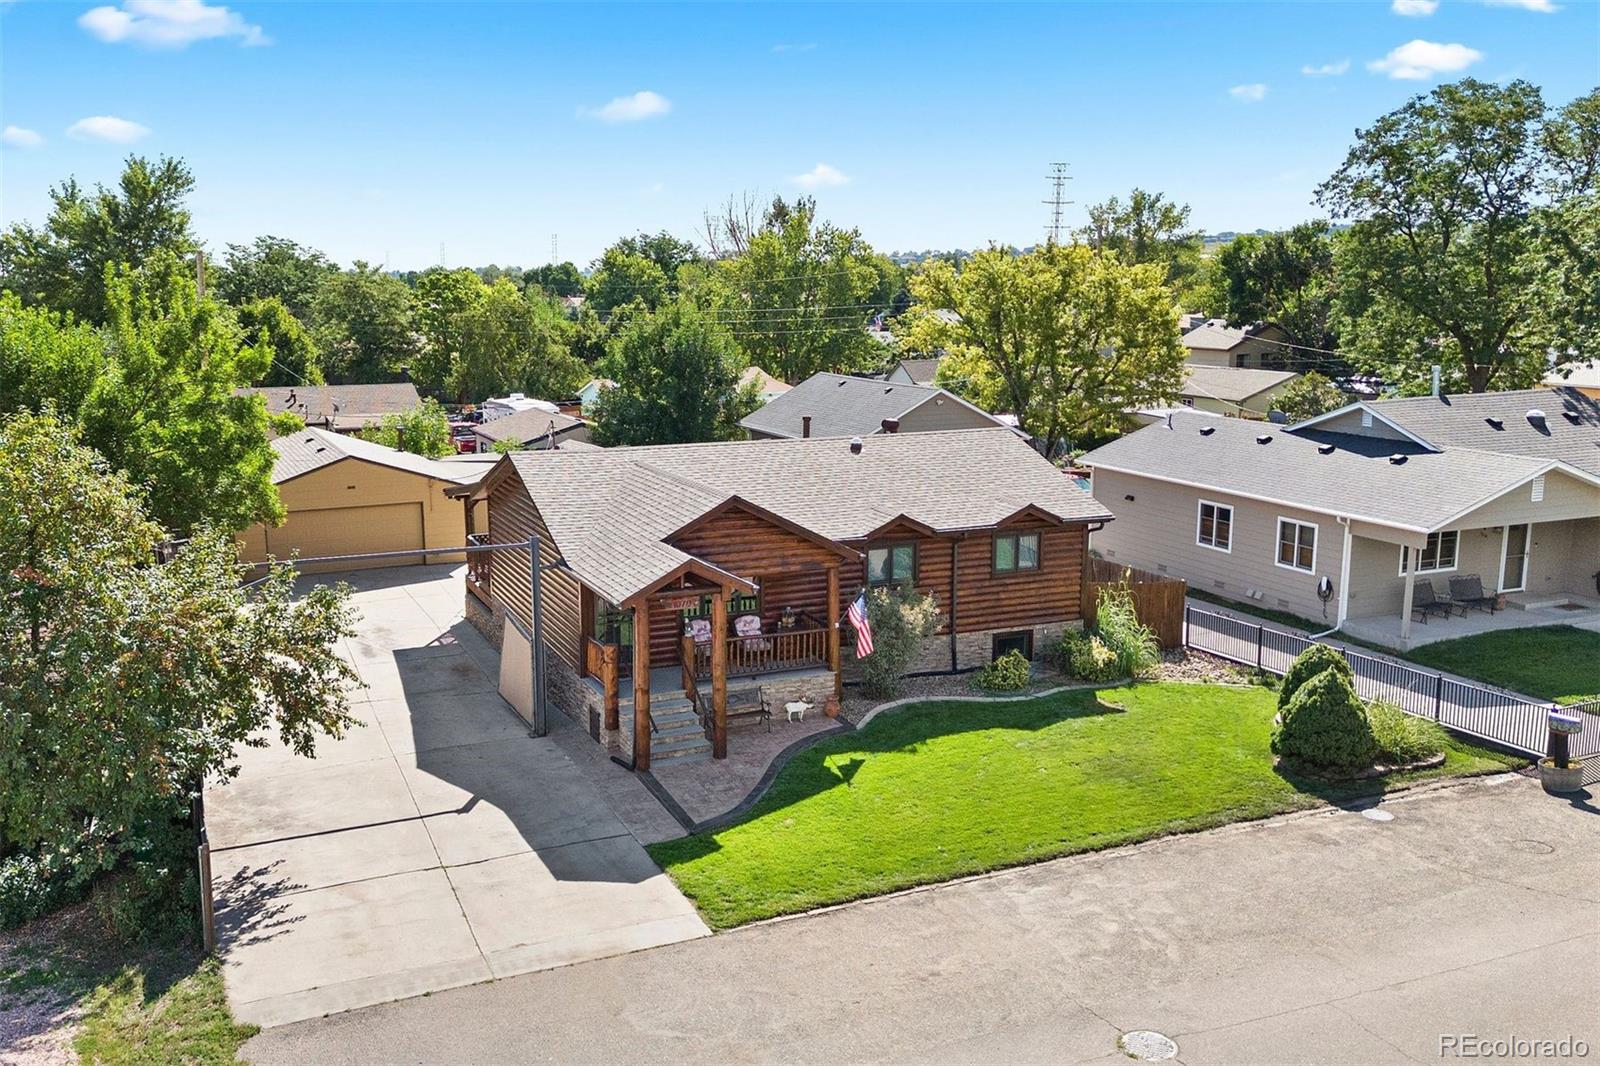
[
  {"x": 955, "y": 551},
  {"x": 1344, "y": 580}
]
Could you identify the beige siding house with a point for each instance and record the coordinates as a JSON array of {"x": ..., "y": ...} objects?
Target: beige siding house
[
  {"x": 1215, "y": 343},
  {"x": 1342, "y": 517}
]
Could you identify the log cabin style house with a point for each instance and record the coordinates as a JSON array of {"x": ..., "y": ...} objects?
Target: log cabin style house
[{"x": 674, "y": 571}]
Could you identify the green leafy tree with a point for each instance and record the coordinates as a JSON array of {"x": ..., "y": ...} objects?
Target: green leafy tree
[
  {"x": 441, "y": 296},
  {"x": 363, "y": 326},
  {"x": 45, "y": 358},
  {"x": 1308, "y": 396},
  {"x": 424, "y": 431},
  {"x": 555, "y": 279},
  {"x": 273, "y": 268},
  {"x": 271, "y": 328},
  {"x": 1284, "y": 278},
  {"x": 164, "y": 410},
  {"x": 801, "y": 294},
  {"x": 63, "y": 265},
  {"x": 622, "y": 278},
  {"x": 677, "y": 373},
  {"x": 1065, "y": 337},
  {"x": 127, "y": 685},
  {"x": 669, "y": 253},
  {"x": 1440, "y": 264},
  {"x": 1148, "y": 228},
  {"x": 509, "y": 341},
  {"x": 1569, "y": 230}
]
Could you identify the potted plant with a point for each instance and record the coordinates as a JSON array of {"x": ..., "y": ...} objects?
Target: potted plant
[{"x": 1560, "y": 772}]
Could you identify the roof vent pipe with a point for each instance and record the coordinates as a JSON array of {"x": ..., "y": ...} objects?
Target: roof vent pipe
[
  {"x": 1397, "y": 458},
  {"x": 1536, "y": 416},
  {"x": 805, "y": 425},
  {"x": 855, "y": 445},
  {"x": 1436, "y": 379},
  {"x": 891, "y": 425}
]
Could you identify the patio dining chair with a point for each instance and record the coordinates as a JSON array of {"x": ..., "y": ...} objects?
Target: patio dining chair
[
  {"x": 749, "y": 627},
  {"x": 1467, "y": 591},
  {"x": 1424, "y": 601}
]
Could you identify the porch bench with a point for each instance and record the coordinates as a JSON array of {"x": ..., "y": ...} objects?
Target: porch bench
[{"x": 750, "y": 712}]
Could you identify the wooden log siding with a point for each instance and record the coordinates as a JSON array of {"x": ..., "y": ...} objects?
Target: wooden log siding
[{"x": 513, "y": 517}]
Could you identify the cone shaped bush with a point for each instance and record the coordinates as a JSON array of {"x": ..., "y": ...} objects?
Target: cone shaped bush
[
  {"x": 1325, "y": 726},
  {"x": 1311, "y": 662}
]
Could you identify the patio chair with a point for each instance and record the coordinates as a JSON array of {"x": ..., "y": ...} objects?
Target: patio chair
[
  {"x": 1424, "y": 601},
  {"x": 1467, "y": 591},
  {"x": 749, "y": 627},
  {"x": 700, "y": 630}
]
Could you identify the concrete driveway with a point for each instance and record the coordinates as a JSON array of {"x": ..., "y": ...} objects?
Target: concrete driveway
[{"x": 435, "y": 845}]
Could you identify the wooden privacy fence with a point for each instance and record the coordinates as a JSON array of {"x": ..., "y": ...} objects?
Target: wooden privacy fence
[{"x": 1157, "y": 599}]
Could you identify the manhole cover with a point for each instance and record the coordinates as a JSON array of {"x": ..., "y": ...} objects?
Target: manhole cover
[
  {"x": 1533, "y": 847},
  {"x": 1147, "y": 1045},
  {"x": 1377, "y": 814}
]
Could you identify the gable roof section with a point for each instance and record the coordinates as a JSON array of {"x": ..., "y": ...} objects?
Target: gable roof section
[
  {"x": 1232, "y": 384},
  {"x": 844, "y": 406},
  {"x": 1215, "y": 335},
  {"x": 303, "y": 451},
  {"x": 612, "y": 510},
  {"x": 921, "y": 371},
  {"x": 1570, "y": 431},
  {"x": 357, "y": 404},
  {"x": 523, "y": 426}
]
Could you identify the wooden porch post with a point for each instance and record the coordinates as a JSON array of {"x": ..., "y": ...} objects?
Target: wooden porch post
[
  {"x": 833, "y": 629},
  {"x": 641, "y": 685},
  {"x": 719, "y": 674}
]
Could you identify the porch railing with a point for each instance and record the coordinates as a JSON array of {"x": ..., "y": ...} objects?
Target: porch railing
[
  {"x": 478, "y": 562},
  {"x": 600, "y": 663},
  {"x": 785, "y": 649}
]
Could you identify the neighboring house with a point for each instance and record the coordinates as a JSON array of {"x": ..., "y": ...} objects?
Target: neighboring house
[
  {"x": 836, "y": 405},
  {"x": 1215, "y": 343},
  {"x": 532, "y": 428},
  {"x": 348, "y": 496},
  {"x": 341, "y": 408},
  {"x": 758, "y": 547},
  {"x": 771, "y": 388},
  {"x": 1231, "y": 390},
  {"x": 1585, "y": 377},
  {"x": 1504, "y": 486},
  {"x": 589, "y": 395},
  {"x": 914, "y": 371},
  {"x": 501, "y": 406}
]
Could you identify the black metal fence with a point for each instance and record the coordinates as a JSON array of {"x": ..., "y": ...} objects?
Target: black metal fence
[{"x": 1475, "y": 710}]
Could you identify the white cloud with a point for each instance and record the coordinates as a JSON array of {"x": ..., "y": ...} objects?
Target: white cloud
[
  {"x": 18, "y": 137},
  {"x": 1326, "y": 70},
  {"x": 107, "y": 128},
  {"x": 641, "y": 105},
  {"x": 1544, "y": 7},
  {"x": 169, "y": 24},
  {"x": 793, "y": 47},
  {"x": 1415, "y": 8},
  {"x": 1419, "y": 59},
  {"x": 820, "y": 176},
  {"x": 1249, "y": 94}
]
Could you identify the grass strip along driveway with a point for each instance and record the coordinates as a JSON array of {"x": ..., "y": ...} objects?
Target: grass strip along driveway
[
  {"x": 1556, "y": 663},
  {"x": 943, "y": 789}
]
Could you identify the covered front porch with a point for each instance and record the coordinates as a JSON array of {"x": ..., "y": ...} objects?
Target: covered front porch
[{"x": 1583, "y": 612}]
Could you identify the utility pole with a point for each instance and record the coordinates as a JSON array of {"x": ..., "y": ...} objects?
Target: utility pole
[
  {"x": 441, "y": 257},
  {"x": 1058, "y": 179}
]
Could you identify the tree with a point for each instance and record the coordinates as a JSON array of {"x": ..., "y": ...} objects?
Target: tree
[
  {"x": 424, "y": 431},
  {"x": 556, "y": 279},
  {"x": 362, "y": 323},
  {"x": 441, "y": 296},
  {"x": 1569, "y": 230},
  {"x": 1065, "y": 337},
  {"x": 621, "y": 278},
  {"x": 1440, "y": 264},
  {"x": 45, "y": 358},
  {"x": 1308, "y": 396},
  {"x": 273, "y": 268},
  {"x": 164, "y": 408},
  {"x": 128, "y": 685},
  {"x": 272, "y": 329},
  {"x": 1149, "y": 228},
  {"x": 902, "y": 618},
  {"x": 799, "y": 298},
  {"x": 63, "y": 266},
  {"x": 664, "y": 250},
  {"x": 508, "y": 341},
  {"x": 1284, "y": 278},
  {"x": 677, "y": 373}
]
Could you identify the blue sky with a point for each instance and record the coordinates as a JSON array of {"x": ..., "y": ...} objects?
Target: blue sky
[{"x": 381, "y": 130}]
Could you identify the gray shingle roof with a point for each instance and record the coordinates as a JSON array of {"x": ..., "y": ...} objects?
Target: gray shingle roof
[
  {"x": 1216, "y": 335},
  {"x": 525, "y": 425},
  {"x": 1231, "y": 383},
  {"x": 920, "y": 370},
  {"x": 842, "y": 406},
  {"x": 609, "y": 509},
  {"x": 357, "y": 404},
  {"x": 1461, "y": 421},
  {"x": 1355, "y": 479},
  {"x": 311, "y": 449}
]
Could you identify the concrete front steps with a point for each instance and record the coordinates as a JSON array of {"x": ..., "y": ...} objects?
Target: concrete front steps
[{"x": 678, "y": 734}]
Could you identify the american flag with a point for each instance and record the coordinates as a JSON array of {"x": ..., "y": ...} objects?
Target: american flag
[{"x": 858, "y": 618}]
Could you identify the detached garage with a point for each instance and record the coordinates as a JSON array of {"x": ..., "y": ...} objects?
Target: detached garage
[{"x": 347, "y": 496}]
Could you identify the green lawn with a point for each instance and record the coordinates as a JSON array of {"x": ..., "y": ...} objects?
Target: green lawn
[
  {"x": 1558, "y": 663},
  {"x": 938, "y": 790}
]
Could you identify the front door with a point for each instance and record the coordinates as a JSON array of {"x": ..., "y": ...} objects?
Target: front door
[{"x": 1514, "y": 558}]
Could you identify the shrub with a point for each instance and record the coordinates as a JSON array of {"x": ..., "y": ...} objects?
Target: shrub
[
  {"x": 1311, "y": 662},
  {"x": 1402, "y": 738},
  {"x": 1005, "y": 674},
  {"x": 1085, "y": 657},
  {"x": 1325, "y": 726},
  {"x": 1132, "y": 642},
  {"x": 901, "y": 618},
  {"x": 31, "y": 888}
]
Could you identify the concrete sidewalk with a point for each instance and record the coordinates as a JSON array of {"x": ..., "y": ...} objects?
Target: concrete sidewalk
[
  {"x": 1325, "y": 937},
  {"x": 435, "y": 845}
]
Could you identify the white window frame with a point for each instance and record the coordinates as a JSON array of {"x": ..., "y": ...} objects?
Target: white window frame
[
  {"x": 1455, "y": 554},
  {"x": 1316, "y": 542},
  {"x": 1199, "y": 515}
]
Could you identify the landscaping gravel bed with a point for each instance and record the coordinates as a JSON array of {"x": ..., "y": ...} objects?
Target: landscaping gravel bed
[{"x": 938, "y": 686}]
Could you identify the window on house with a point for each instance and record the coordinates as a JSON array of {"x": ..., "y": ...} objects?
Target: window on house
[
  {"x": 1006, "y": 643},
  {"x": 1016, "y": 551},
  {"x": 892, "y": 564},
  {"x": 1297, "y": 545},
  {"x": 1187, "y": 401},
  {"x": 1215, "y": 529},
  {"x": 1438, "y": 554},
  {"x": 739, "y": 603}
]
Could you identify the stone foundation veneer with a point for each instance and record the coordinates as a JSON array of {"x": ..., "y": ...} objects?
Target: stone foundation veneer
[{"x": 973, "y": 650}]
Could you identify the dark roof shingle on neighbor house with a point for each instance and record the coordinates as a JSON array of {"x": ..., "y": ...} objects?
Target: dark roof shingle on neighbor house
[
  {"x": 1232, "y": 384},
  {"x": 611, "y": 510},
  {"x": 527, "y": 426},
  {"x": 343, "y": 407},
  {"x": 843, "y": 406}
]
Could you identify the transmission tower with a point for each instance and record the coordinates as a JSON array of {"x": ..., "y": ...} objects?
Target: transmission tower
[
  {"x": 1058, "y": 179},
  {"x": 553, "y": 257}
]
